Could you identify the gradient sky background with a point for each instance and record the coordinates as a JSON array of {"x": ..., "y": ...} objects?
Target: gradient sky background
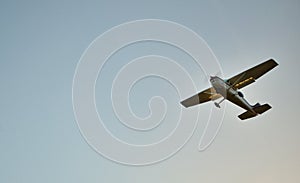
[{"x": 41, "y": 43}]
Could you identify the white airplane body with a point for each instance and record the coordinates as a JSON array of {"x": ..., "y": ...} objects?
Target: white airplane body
[{"x": 228, "y": 89}]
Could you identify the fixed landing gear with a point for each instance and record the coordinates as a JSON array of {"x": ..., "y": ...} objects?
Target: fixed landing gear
[{"x": 217, "y": 104}]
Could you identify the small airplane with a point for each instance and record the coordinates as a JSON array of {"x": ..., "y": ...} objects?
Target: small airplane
[{"x": 229, "y": 89}]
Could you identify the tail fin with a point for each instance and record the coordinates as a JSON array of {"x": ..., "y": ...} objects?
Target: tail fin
[
  {"x": 256, "y": 105},
  {"x": 259, "y": 109}
]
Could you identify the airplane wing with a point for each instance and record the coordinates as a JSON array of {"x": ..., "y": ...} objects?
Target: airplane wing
[
  {"x": 249, "y": 76},
  {"x": 204, "y": 96}
]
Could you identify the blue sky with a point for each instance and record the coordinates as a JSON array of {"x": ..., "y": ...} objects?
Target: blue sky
[{"x": 42, "y": 42}]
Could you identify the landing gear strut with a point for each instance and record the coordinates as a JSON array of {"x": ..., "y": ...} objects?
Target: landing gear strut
[{"x": 217, "y": 104}]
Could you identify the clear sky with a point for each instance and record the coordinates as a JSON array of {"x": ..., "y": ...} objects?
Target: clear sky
[{"x": 41, "y": 43}]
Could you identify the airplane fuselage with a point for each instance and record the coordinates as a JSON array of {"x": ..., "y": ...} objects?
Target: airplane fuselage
[{"x": 224, "y": 89}]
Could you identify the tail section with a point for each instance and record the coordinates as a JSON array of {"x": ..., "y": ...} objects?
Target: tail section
[
  {"x": 262, "y": 108},
  {"x": 259, "y": 109},
  {"x": 256, "y": 105},
  {"x": 246, "y": 115}
]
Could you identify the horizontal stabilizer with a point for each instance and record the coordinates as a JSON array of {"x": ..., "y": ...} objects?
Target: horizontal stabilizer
[
  {"x": 246, "y": 115},
  {"x": 262, "y": 108},
  {"x": 259, "y": 109}
]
